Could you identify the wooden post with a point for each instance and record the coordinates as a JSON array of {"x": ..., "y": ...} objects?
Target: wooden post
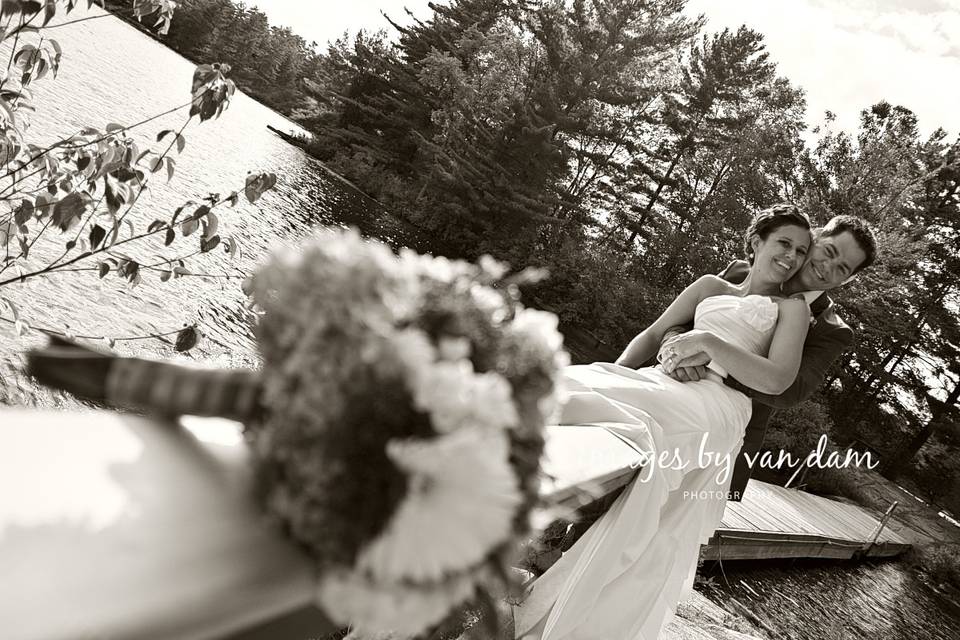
[
  {"x": 803, "y": 474},
  {"x": 880, "y": 526}
]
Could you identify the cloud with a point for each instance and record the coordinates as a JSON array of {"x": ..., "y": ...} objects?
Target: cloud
[{"x": 849, "y": 56}]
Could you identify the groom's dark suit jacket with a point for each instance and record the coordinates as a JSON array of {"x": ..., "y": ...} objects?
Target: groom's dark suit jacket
[{"x": 828, "y": 337}]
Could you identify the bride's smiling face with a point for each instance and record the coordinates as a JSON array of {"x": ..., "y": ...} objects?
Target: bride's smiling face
[{"x": 781, "y": 254}]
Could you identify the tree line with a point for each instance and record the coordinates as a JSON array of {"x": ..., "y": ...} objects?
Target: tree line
[
  {"x": 624, "y": 147},
  {"x": 270, "y": 63}
]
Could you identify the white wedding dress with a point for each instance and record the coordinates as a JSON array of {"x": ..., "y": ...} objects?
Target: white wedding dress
[{"x": 623, "y": 578}]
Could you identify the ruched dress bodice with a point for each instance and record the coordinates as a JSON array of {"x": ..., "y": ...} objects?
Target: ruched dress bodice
[{"x": 747, "y": 322}]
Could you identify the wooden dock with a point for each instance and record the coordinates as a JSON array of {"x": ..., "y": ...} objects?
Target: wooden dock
[
  {"x": 770, "y": 522},
  {"x": 117, "y": 526},
  {"x": 774, "y": 522}
]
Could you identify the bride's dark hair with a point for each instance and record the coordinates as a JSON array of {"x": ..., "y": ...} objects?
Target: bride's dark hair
[{"x": 771, "y": 219}]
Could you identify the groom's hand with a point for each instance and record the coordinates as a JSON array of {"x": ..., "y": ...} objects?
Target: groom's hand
[{"x": 691, "y": 368}]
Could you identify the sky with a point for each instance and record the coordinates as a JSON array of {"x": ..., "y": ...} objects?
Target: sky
[{"x": 846, "y": 54}]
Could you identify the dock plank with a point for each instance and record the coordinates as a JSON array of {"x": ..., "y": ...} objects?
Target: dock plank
[{"x": 770, "y": 522}]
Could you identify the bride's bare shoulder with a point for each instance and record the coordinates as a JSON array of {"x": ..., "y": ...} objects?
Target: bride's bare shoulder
[{"x": 713, "y": 285}]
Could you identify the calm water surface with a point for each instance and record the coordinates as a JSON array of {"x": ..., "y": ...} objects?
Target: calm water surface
[
  {"x": 826, "y": 600},
  {"x": 112, "y": 73}
]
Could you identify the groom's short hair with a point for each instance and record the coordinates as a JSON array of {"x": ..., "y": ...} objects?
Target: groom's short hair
[{"x": 861, "y": 232}]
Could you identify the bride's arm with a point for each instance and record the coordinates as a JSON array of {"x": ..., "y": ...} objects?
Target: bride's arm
[
  {"x": 771, "y": 374},
  {"x": 646, "y": 344}
]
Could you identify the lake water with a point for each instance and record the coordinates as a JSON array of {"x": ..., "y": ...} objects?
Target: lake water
[
  {"x": 831, "y": 600},
  {"x": 113, "y": 73}
]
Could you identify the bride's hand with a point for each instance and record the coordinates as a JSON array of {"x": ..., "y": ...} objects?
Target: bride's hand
[{"x": 681, "y": 347}]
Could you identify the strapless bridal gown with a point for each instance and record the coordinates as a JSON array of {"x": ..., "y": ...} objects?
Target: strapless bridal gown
[{"x": 623, "y": 578}]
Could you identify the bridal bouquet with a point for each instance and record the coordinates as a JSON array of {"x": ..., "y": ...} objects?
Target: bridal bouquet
[{"x": 405, "y": 398}]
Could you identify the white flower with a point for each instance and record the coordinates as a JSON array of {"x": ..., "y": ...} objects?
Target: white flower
[
  {"x": 415, "y": 352},
  {"x": 453, "y": 348},
  {"x": 488, "y": 299},
  {"x": 373, "y": 635},
  {"x": 494, "y": 268},
  {"x": 551, "y": 404},
  {"x": 491, "y": 402},
  {"x": 461, "y": 500},
  {"x": 436, "y": 267},
  {"x": 456, "y": 397},
  {"x": 374, "y": 608},
  {"x": 540, "y": 327}
]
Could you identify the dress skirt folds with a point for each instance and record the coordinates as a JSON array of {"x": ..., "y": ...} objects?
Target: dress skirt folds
[{"x": 623, "y": 578}]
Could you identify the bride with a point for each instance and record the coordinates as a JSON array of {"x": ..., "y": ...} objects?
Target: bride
[{"x": 625, "y": 575}]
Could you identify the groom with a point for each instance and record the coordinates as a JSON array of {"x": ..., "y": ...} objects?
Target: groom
[{"x": 841, "y": 249}]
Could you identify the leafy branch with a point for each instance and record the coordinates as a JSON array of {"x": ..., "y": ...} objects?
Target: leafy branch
[
  {"x": 203, "y": 216},
  {"x": 86, "y": 185}
]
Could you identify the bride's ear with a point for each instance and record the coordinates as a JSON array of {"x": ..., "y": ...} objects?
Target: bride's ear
[{"x": 755, "y": 241}]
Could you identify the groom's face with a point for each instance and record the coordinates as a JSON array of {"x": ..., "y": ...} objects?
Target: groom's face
[{"x": 831, "y": 261}]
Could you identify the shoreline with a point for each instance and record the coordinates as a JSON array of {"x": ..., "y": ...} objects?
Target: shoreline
[{"x": 115, "y": 10}]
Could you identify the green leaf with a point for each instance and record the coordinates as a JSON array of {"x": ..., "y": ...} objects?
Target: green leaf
[
  {"x": 171, "y": 234},
  {"x": 24, "y": 57},
  {"x": 24, "y": 212},
  {"x": 68, "y": 211},
  {"x": 113, "y": 198},
  {"x": 211, "y": 226},
  {"x": 181, "y": 143},
  {"x": 201, "y": 75},
  {"x": 103, "y": 269},
  {"x": 156, "y": 225},
  {"x": 163, "y": 134},
  {"x": 12, "y": 307},
  {"x": 170, "y": 167},
  {"x": 71, "y": 244},
  {"x": 49, "y": 10},
  {"x": 165, "y": 275},
  {"x": 189, "y": 226},
  {"x": 97, "y": 235},
  {"x": 43, "y": 204},
  {"x": 113, "y": 126},
  {"x": 257, "y": 184},
  {"x": 209, "y": 244},
  {"x": 187, "y": 339},
  {"x": 131, "y": 271},
  {"x": 232, "y": 247},
  {"x": 179, "y": 210}
]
